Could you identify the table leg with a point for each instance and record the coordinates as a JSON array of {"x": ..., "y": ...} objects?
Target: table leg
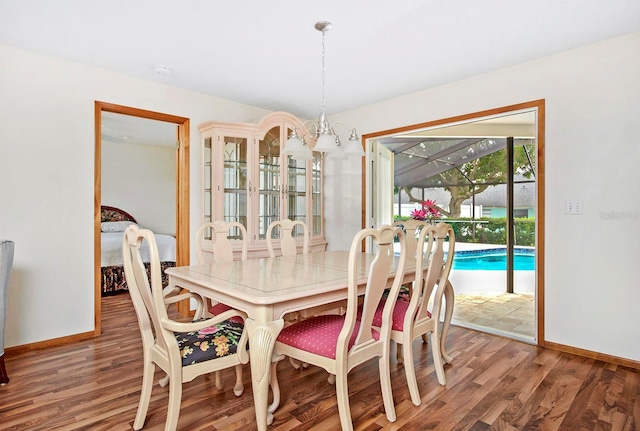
[{"x": 262, "y": 338}]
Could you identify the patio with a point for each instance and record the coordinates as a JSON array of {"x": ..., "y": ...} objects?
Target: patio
[
  {"x": 482, "y": 301},
  {"x": 509, "y": 314}
]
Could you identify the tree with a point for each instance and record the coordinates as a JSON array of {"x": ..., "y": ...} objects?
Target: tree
[{"x": 477, "y": 175}]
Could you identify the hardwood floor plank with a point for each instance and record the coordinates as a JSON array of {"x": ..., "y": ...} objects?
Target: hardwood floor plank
[{"x": 493, "y": 384}]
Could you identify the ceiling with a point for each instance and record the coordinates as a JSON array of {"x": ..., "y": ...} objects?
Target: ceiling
[{"x": 268, "y": 54}]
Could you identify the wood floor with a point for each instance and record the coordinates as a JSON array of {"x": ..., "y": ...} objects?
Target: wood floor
[{"x": 493, "y": 384}]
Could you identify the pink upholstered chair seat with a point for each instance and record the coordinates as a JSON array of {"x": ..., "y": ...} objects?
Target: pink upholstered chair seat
[
  {"x": 220, "y": 308},
  {"x": 399, "y": 311},
  {"x": 319, "y": 335}
]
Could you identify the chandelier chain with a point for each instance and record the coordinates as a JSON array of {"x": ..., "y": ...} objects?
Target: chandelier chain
[
  {"x": 327, "y": 141},
  {"x": 323, "y": 53}
]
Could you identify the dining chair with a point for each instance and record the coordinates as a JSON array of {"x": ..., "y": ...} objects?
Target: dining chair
[
  {"x": 338, "y": 343},
  {"x": 411, "y": 228},
  {"x": 215, "y": 241},
  {"x": 286, "y": 230},
  {"x": 182, "y": 350},
  {"x": 420, "y": 315},
  {"x": 6, "y": 264},
  {"x": 215, "y": 244}
]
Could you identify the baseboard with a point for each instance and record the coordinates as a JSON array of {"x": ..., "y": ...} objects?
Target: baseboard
[
  {"x": 548, "y": 345},
  {"x": 593, "y": 355},
  {"x": 554, "y": 346},
  {"x": 50, "y": 343}
]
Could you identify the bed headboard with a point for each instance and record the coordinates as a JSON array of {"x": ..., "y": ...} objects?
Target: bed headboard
[{"x": 114, "y": 214}]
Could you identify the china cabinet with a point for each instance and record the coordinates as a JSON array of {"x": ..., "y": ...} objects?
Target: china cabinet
[{"x": 245, "y": 179}]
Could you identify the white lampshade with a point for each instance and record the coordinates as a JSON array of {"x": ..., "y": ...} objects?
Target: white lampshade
[
  {"x": 326, "y": 143},
  {"x": 339, "y": 154},
  {"x": 353, "y": 148},
  {"x": 293, "y": 147},
  {"x": 305, "y": 154}
]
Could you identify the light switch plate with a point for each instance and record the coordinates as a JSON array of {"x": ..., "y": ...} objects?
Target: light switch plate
[{"x": 573, "y": 207}]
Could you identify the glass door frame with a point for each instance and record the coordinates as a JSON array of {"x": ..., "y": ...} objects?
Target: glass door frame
[{"x": 538, "y": 106}]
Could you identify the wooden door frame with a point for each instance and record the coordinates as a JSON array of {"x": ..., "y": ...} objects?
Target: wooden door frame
[
  {"x": 182, "y": 192},
  {"x": 539, "y": 106}
]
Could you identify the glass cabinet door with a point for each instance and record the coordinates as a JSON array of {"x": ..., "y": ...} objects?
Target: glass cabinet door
[
  {"x": 296, "y": 198},
  {"x": 207, "y": 186},
  {"x": 269, "y": 188},
  {"x": 316, "y": 195},
  {"x": 296, "y": 192},
  {"x": 235, "y": 181}
]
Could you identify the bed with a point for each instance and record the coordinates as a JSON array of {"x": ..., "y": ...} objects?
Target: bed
[{"x": 113, "y": 223}]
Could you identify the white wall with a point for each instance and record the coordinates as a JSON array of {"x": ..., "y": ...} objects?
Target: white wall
[
  {"x": 592, "y": 94},
  {"x": 141, "y": 179},
  {"x": 47, "y": 180},
  {"x": 592, "y": 287}
]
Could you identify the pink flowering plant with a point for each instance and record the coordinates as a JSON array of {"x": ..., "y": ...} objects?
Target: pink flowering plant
[{"x": 427, "y": 211}]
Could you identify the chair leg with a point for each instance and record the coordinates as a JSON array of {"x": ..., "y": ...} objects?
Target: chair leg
[
  {"x": 218, "y": 377},
  {"x": 238, "y": 389},
  {"x": 206, "y": 305},
  {"x": 201, "y": 309},
  {"x": 145, "y": 394},
  {"x": 342, "y": 393},
  {"x": 275, "y": 388},
  {"x": 437, "y": 355},
  {"x": 449, "y": 297},
  {"x": 175, "y": 399},
  {"x": 385, "y": 386},
  {"x": 410, "y": 372},
  {"x": 164, "y": 381},
  {"x": 4, "y": 377},
  {"x": 295, "y": 363}
]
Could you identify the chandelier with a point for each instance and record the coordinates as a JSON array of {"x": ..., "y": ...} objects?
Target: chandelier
[{"x": 327, "y": 141}]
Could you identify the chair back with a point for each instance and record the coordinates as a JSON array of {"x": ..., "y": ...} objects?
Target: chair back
[
  {"x": 6, "y": 264},
  {"x": 412, "y": 229},
  {"x": 288, "y": 245},
  {"x": 145, "y": 288},
  {"x": 378, "y": 271},
  {"x": 183, "y": 350},
  {"x": 215, "y": 240},
  {"x": 435, "y": 263}
]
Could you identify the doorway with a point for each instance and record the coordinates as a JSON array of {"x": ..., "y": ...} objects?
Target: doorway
[
  {"x": 181, "y": 190},
  {"x": 450, "y": 145}
]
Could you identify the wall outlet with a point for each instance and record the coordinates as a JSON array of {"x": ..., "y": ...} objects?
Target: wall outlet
[{"x": 573, "y": 207}]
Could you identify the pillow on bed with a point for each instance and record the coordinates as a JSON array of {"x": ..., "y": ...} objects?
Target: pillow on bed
[{"x": 115, "y": 226}]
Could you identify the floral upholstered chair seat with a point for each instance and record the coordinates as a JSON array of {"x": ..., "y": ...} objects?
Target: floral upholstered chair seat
[
  {"x": 404, "y": 294},
  {"x": 208, "y": 343}
]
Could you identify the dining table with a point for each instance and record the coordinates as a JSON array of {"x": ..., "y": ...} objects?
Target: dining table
[{"x": 268, "y": 288}]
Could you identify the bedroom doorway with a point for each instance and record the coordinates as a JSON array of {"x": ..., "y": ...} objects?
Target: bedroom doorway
[{"x": 181, "y": 187}]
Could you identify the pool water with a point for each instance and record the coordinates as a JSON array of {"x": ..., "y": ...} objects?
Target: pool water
[{"x": 494, "y": 260}]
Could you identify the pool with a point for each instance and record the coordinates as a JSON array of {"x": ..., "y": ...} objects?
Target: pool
[{"x": 494, "y": 259}]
